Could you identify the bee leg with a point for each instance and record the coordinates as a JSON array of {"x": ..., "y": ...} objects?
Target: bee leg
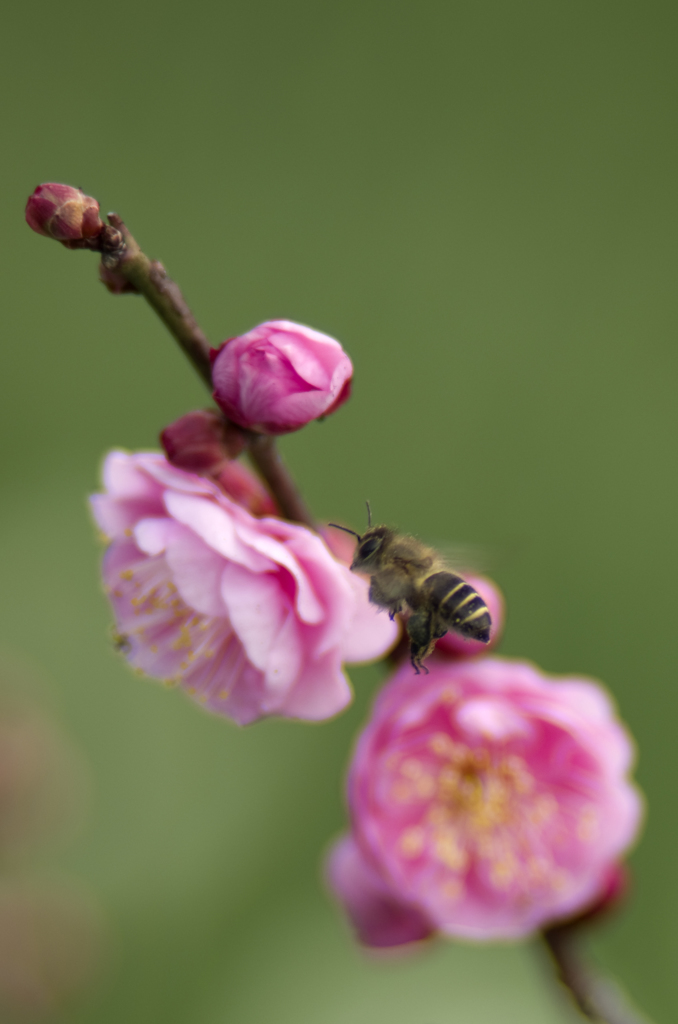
[
  {"x": 378, "y": 596},
  {"x": 419, "y": 629},
  {"x": 394, "y": 610},
  {"x": 439, "y": 629}
]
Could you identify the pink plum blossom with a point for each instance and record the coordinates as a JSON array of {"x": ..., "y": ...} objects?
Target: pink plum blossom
[
  {"x": 251, "y": 616},
  {"x": 487, "y": 797},
  {"x": 280, "y": 376}
]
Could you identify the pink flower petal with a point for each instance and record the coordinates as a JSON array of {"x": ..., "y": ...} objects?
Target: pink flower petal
[
  {"x": 491, "y": 719},
  {"x": 321, "y": 691},
  {"x": 197, "y": 574},
  {"x": 153, "y": 534},
  {"x": 370, "y": 631},
  {"x": 284, "y": 662},
  {"x": 216, "y": 527},
  {"x": 254, "y": 608},
  {"x": 307, "y": 605},
  {"x": 381, "y": 920}
]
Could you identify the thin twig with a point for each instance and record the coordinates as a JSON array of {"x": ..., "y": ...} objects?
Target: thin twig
[
  {"x": 150, "y": 279},
  {"x": 598, "y": 997},
  {"x": 264, "y": 454}
]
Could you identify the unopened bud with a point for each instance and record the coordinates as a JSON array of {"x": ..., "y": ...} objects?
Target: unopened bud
[
  {"x": 63, "y": 213},
  {"x": 201, "y": 442},
  {"x": 280, "y": 376}
]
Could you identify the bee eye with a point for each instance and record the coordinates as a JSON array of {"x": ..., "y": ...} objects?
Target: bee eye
[{"x": 369, "y": 547}]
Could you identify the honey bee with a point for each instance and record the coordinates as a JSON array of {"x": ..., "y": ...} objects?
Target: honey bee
[{"x": 407, "y": 576}]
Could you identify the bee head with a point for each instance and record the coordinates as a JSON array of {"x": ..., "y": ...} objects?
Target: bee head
[{"x": 370, "y": 548}]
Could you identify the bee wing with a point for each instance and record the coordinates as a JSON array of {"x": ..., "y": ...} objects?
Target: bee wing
[
  {"x": 478, "y": 559},
  {"x": 463, "y": 558}
]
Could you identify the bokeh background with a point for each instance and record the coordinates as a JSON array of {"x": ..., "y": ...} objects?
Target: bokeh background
[{"x": 478, "y": 198}]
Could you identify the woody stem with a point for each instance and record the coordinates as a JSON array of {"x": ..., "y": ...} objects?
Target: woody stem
[
  {"x": 150, "y": 279},
  {"x": 264, "y": 454},
  {"x": 599, "y": 998}
]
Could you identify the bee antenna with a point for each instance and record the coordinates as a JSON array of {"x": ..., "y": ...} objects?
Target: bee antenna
[
  {"x": 345, "y": 529},
  {"x": 369, "y": 515}
]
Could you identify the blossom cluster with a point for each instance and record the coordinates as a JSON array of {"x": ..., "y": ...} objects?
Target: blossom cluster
[{"x": 487, "y": 800}]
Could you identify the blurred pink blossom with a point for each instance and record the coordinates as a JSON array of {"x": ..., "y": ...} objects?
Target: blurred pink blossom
[
  {"x": 250, "y": 616},
  {"x": 280, "y": 376},
  {"x": 63, "y": 213},
  {"x": 488, "y": 797},
  {"x": 380, "y": 917}
]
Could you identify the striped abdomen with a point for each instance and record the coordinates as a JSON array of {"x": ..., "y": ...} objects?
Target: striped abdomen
[{"x": 458, "y": 606}]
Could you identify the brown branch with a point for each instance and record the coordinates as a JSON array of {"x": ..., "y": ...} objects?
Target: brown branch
[
  {"x": 599, "y": 998},
  {"x": 264, "y": 454},
  {"x": 150, "y": 279}
]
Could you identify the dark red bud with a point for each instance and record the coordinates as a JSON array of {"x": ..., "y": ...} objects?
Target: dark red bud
[
  {"x": 201, "y": 442},
  {"x": 63, "y": 213}
]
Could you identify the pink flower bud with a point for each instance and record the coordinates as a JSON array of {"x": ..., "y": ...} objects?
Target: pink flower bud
[
  {"x": 250, "y": 616},
  {"x": 488, "y": 797},
  {"x": 201, "y": 442},
  {"x": 280, "y": 376},
  {"x": 63, "y": 213}
]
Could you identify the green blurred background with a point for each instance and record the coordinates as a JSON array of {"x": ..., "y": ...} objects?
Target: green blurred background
[{"x": 478, "y": 199}]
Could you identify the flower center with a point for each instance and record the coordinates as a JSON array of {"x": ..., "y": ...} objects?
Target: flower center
[
  {"x": 477, "y": 807},
  {"x": 479, "y": 794}
]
